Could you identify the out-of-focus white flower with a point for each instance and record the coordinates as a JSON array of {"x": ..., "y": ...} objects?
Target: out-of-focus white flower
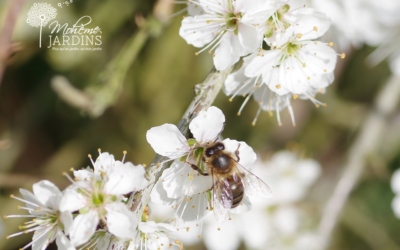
[
  {"x": 296, "y": 64},
  {"x": 289, "y": 176},
  {"x": 48, "y": 223},
  {"x": 395, "y": 184},
  {"x": 99, "y": 199},
  {"x": 238, "y": 83},
  {"x": 221, "y": 29},
  {"x": 153, "y": 236}
]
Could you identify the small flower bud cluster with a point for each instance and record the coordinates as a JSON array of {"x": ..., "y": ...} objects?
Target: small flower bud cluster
[{"x": 291, "y": 65}]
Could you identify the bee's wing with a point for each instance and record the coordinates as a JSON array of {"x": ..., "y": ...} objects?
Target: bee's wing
[
  {"x": 253, "y": 185},
  {"x": 222, "y": 198}
]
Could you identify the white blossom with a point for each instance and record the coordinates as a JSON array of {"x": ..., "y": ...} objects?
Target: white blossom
[
  {"x": 180, "y": 186},
  {"x": 154, "y": 236},
  {"x": 221, "y": 29},
  {"x": 100, "y": 198},
  {"x": 238, "y": 83},
  {"x": 48, "y": 223},
  {"x": 295, "y": 65}
]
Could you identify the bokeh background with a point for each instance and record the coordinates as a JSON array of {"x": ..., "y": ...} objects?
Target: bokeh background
[{"x": 56, "y": 107}]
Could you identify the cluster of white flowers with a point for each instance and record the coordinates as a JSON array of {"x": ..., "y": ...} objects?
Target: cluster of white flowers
[
  {"x": 291, "y": 65},
  {"x": 205, "y": 175},
  {"x": 395, "y": 183}
]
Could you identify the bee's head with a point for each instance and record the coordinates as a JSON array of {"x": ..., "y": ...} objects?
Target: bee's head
[{"x": 215, "y": 148}]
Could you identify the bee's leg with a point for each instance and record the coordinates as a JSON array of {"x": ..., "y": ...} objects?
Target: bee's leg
[
  {"x": 237, "y": 153},
  {"x": 197, "y": 169}
]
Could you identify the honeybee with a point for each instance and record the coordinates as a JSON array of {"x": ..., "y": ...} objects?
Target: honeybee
[{"x": 231, "y": 181}]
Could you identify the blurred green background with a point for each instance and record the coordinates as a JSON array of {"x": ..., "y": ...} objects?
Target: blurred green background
[{"x": 41, "y": 135}]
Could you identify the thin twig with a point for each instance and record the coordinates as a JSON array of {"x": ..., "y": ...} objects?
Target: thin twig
[
  {"x": 367, "y": 141},
  {"x": 205, "y": 95}
]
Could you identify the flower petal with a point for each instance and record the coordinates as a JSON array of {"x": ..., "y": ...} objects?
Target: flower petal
[
  {"x": 167, "y": 140},
  {"x": 47, "y": 193},
  {"x": 228, "y": 52},
  {"x": 120, "y": 221},
  {"x": 67, "y": 220},
  {"x": 63, "y": 242},
  {"x": 207, "y": 125},
  {"x": 248, "y": 38},
  {"x": 72, "y": 200},
  {"x": 83, "y": 227},
  {"x": 246, "y": 153},
  {"x": 148, "y": 227},
  {"x": 125, "y": 178}
]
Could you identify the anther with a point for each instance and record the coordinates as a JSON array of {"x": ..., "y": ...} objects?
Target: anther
[
  {"x": 177, "y": 242},
  {"x": 253, "y": 123},
  {"x": 238, "y": 113},
  {"x": 295, "y": 96},
  {"x": 196, "y": 53},
  {"x": 158, "y": 164},
  {"x": 316, "y": 28},
  {"x": 299, "y": 35},
  {"x": 64, "y": 173},
  {"x": 124, "y": 152},
  {"x": 144, "y": 165},
  {"x": 187, "y": 229},
  {"x": 219, "y": 229},
  {"x": 89, "y": 155},
  {"x": 99, "y": 150},
  {"x": 324, "y": 105},
  {"x": 11, "y": 196},
  {"x": 343, "y": 55},
  {"x": 317, "y": 105},
  {"x": 230, "y": 99},
  {"x": 278, "y": 86},
  {"x": 199, "y": 236},
  {"x": 320, "y": 91},
  {"x": 71, "y": 169},
  {"x": 330, "y": 44}
]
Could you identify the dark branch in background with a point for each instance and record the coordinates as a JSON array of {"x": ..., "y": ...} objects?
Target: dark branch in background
[{"x": 6, "y": 33}]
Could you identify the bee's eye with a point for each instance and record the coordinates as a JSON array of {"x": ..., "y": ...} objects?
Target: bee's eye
[
  {"x": 210, "y": 152},
  {"x": 220, "y": 147}
]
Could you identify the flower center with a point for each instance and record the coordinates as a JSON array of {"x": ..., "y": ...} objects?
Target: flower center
[
  {"x": 97, "y": 199},
  {"x": 232, "y": 21},
  {"x": 276, "y": 22}
]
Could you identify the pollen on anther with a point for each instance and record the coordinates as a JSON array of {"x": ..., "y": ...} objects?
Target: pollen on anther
[
  {"x": 295, "y": 96},
  {"x": 317, "y": 105},
  {"x": 124, "y": 152},
  {"x": 11, "y": 196},
  {"x": 196, "y": 53},
  {"x": 320, "y": 91},
  {"x": 238, "y": 113},
  {"x": 299, "y": 35},
  {"x": 177, "y": 242},
  {"x": 278, "y": 86},
  {"x": 324, "y": 105},
  {"x": 144, "y": 165},
  {"x": 330, "y": 44},
  {"x": 308, "y": 78},
  {"x": 99, "y": 149},
  {"x": 230, "y": 99},
  {"x": 219, "y": 229},
  {"x": 209, "y": 52},
  {"x": 158, "y": 164},
  {"x": 253, "y": 123},
  {"x": 199, "y": 236},
  {"x": 187, "y": 229},
  {"x": 343, "y": 55},
  {"x": 316, "y": 28},
  {"x": 214, "y": 55}
]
